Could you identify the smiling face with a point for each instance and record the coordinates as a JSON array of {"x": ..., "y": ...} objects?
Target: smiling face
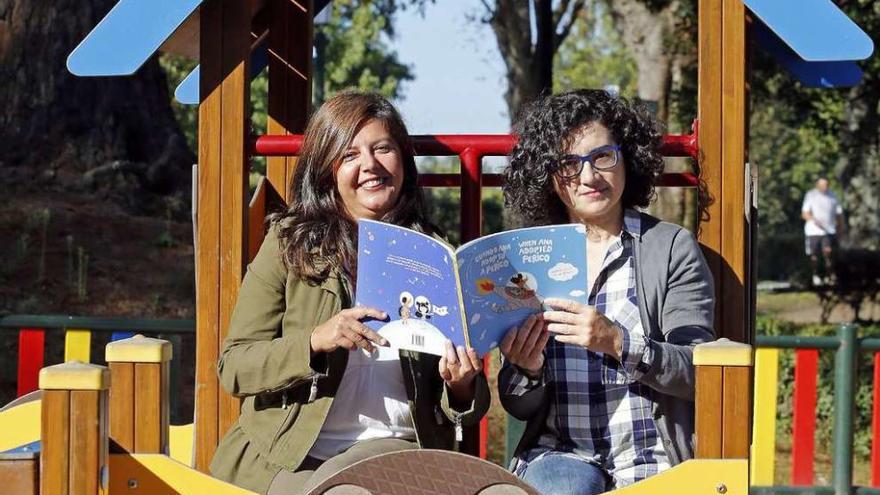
[
  {"x": 593, "y": 197},
  {"x": 370, "y": 174}
]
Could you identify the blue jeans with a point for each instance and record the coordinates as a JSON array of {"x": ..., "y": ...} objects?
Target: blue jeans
[{"x": 556, "y": 473}]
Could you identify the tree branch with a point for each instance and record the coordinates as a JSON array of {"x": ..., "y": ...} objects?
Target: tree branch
[{"x": 563, "y": 29}]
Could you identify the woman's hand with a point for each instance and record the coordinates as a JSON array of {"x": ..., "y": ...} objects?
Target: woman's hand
[
  {"x": 524, "y": 346},
  {"x": 575, "y": 323},
  {"x": 458, "y": 368},
  {"x": 346, "y": 330}
]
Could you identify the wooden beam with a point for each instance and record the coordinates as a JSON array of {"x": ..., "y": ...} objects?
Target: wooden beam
[
  {"x": 735, "y": 245},
  {"x": 290, "y": 80},
  {"x": 709, "y": 120},
  {"x": 737, "y": 415},
  {"x": 709, "y": 412}
]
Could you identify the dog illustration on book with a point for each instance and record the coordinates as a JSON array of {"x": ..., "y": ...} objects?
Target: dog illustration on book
[
  {"x": 406, "y": 303},
  {"x": 520, "y": 292}
]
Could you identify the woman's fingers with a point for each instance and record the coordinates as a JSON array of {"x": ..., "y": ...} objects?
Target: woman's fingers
[
  {"x": 562, "y": 317},
  {"x": 564, "y": 304},
  {"x": 538, "y": 348},
  {"x": 534, "y": 334},
  {"x": 522, "y": 335},
  {"x": 451, "y": 355},
  {"x": 445, "y": 374},
  {"x": 562, "y": 329},
  {"x": 361, "y": 312},
  {"x": 370, "y": 334},
  {"x": 464, "y": 361},
  {"x": 507, "y": 341},
  {"x": 476, "y": 362},
  {"x": 358, "y": 339}
]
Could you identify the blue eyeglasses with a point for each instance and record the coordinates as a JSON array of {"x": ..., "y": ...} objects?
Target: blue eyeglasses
[{"x": 602, "y": 158}]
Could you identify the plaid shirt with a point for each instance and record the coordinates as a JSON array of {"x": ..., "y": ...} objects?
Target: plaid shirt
[{"x": 599, "y": 411}]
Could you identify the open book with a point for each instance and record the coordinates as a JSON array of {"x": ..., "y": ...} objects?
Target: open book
[{"x": 472, "y": 295}]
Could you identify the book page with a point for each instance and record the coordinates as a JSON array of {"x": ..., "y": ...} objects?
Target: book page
[
  {"x": 411, "y": 277},
  {"x": 506, "y": 276}
]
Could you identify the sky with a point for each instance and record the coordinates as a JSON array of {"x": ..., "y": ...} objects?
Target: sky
[{"x": 459, "y": 74}]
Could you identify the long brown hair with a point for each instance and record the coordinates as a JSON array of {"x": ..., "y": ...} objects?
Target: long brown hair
[{"x": 316, "y": 234}]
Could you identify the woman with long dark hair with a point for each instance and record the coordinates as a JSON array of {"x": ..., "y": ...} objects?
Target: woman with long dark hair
[
  {"x": 606, "y": 388},
  {"x": 321, "y": 389}
]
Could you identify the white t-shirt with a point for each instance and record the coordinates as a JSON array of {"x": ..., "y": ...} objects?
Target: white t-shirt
[
  {"x": 824, "y": 207},
  {"x": 370, "y": 403}
]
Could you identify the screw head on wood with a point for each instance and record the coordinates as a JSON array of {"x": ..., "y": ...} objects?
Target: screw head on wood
[
  {"x": 132, "y": 483},
  {"x": 721, "y": 488}
]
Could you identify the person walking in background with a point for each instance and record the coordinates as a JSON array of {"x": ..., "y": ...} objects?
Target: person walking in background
[{"x": 823, "y": 218}]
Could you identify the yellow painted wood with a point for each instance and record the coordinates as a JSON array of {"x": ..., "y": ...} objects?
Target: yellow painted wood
[
  {"x": 74, "y": 375},
  {"x": 180, "y": 443},
  {"x": 158, "y": 474},
  {"x": 723, "y": 352},
  {"x": 77, "y": 345},
  {"x": 696, "y": 476},
  {"x": 20, "y": 425},
  {"x": 764, "y": 425},
  {"x": 138, "y": 349}
]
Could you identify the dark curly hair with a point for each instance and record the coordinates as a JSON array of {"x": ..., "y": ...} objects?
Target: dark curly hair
[{"x": 546, "y": 129}]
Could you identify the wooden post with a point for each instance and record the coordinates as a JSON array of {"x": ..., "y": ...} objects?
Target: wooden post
[
  {"x": 223, "y": 170},
  {"x": 139, "y": 401},
  {"x": 723, "y": 141},
  {"x": 723, "y": 399},
  {"x": 20, "y": 473},
  {"x": 73, "y": 429}
]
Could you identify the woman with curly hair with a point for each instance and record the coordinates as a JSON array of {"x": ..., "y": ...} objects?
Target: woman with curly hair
[
  {"x": 321, "y": 390},
  {"x": 606, "y": 388}
]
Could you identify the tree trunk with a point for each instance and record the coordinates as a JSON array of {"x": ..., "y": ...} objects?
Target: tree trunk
[
  {"x": 529, "y": 61},
  {"x": 114, "y": 137}
]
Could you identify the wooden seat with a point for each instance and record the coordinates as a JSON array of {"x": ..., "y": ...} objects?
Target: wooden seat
[{"x": 428, "y": 472}]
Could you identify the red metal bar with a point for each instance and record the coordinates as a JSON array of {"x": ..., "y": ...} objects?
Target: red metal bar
[
  {"x": 456, "y": 144},
  {"x": 803, "y": 446},
  {"x": 30, "y": 359},
  {"x": 494, "y": 180},
  {"x": 875, "y": 425}
]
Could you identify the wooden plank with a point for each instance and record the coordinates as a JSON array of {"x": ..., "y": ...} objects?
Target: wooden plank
[
  {"x": 737, "y": 415},
  {"x": 709, "y": 413},
  {"x": 84, "y": 441},
  {"x": 165, "y": 408},
  {"x": 709, "y": 116},
  {"x": 20, "y": 476},
  {"x": 77, "y": 345},
  {"x": 277, "y": 122},
  {"x": 148, "y": 413},
  {"x": 122, "y": 403},
  {"x": 55, "y": 442},
  {"x": 208, "y": 230},
  {"x": 30, "y": 359},
  {"x": 233, "y": 178},
  {"x": 256, "y": 219},
  {"x": 734, "y": 242},
  {"x": 803, "y": 445},
  {"x": 764, "y": 427}
]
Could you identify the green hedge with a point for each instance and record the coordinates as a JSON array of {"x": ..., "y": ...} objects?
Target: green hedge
[{"x": 825, "y": 385}]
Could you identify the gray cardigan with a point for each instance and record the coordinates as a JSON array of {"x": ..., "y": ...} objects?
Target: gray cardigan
[{"x": 677, "y": 304}]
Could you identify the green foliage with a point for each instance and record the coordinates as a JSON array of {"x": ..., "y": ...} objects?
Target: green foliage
[
  {"x": 593, "y": 56},
  {"x": 356, "y": 54},
  {"x": 825, "y": 386},
  {"x": 444, "y": 204}
]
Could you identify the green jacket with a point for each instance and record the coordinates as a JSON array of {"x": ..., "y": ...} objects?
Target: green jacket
[{"x": 287, "y": 394}]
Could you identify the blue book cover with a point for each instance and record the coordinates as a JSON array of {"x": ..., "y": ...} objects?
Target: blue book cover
[{"x": 471, "y": 296}]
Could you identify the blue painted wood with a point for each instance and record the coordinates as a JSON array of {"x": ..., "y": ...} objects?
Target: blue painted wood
[
  {"x": 817, "y": 30},
  {"x": 24, "y": 449},
  {"x": 127, "y": 36},
  {"x": 121, "y": 336},
  {"x": 811, "y": 74}
]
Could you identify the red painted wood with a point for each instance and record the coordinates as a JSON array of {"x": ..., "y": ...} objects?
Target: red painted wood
[
  {"x": 875, "y": 425},
  {"x": 803, "y": 446},
  {"x": 30, "y": 359}
]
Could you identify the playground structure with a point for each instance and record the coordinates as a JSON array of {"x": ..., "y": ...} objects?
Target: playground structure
[{"x": 231, "y": 36}]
